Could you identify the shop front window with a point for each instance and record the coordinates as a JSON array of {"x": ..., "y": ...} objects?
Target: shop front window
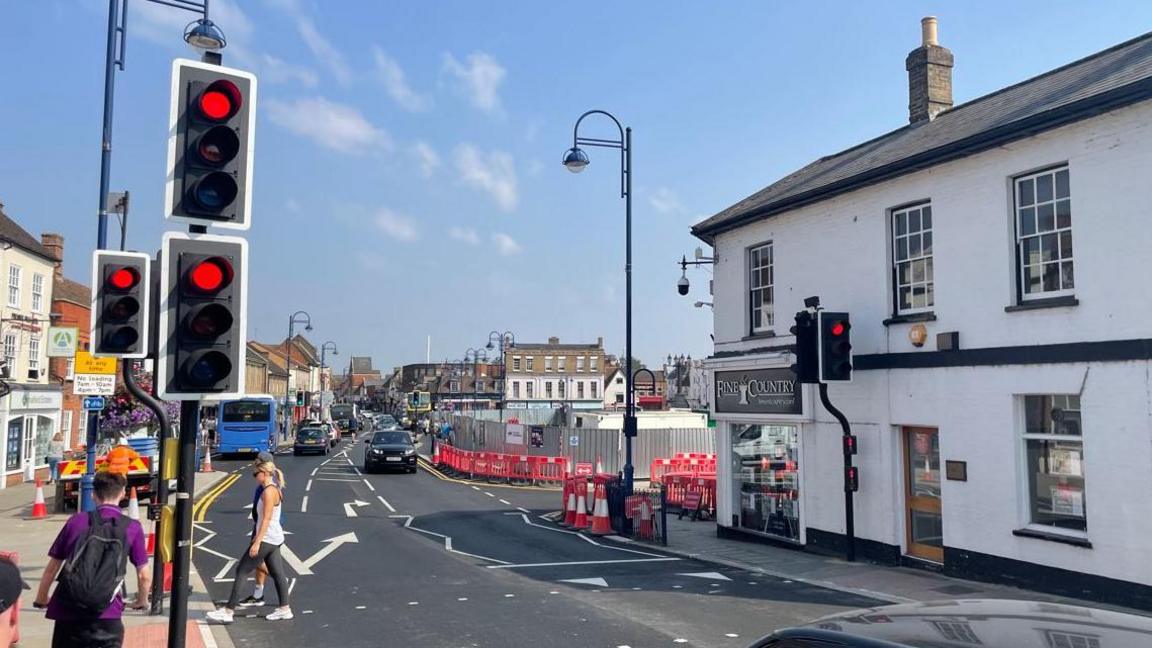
[
  {"x": 1054, "y": 448},
  {"x": 14, "y": 443},
  {"x": 766, "y": 478}
]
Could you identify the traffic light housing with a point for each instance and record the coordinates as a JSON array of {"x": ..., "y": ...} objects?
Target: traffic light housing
[
  {"x": 806, "y": 367},
  {"x": 299, "y": 399},
  {"x": 210, "y": 145},
  {"x": 121, "y": 287},
  {"x": 849, "y": 444},
  {"x": 851, "y": 479},
  {"x": 835, "y": 346},
  {"x": 203, "y": 316}
]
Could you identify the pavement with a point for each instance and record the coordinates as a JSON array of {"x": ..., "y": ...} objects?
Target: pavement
[{"x": 31, "y": 539}]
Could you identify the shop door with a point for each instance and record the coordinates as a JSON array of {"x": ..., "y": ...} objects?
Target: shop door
[{"x": 922, "y": 495}]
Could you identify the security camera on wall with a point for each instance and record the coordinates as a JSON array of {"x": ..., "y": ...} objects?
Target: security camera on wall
[{"x": 682, "y": 285}]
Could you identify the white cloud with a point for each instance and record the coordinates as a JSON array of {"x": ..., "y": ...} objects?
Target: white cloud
[
  {"x": 329, "y": 124},
  {"x": 665, "y": 201},
  {"x": 426, "y": 157},
  {"x": 493, "y": 172},
  {"x": 505, "y": 244},
  {"x": 478, "y": 78},
  {"x": 465, "y": 234},
  {"x": 395, "y": 83},
  {"x": 292, "y": 205},
  {"x": 323, "y": 49},
  {"x": 275, "y": 70},
  {"x": 396, "y": 225}
]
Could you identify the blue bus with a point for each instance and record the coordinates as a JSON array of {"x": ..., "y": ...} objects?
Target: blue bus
[{"x": 246, "y": 425}]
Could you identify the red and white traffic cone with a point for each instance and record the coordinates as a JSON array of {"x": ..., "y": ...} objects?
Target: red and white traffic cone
[
  {"x": 581, "y": 521},
  {"x": 435, "y": 453},
  {"x": 601, "y": 523},
  {"x": 206, "y": 462},
  {"x": 39, "y": 508},
  {"x": 570, "y": 510},
  {"x": 599, "y": 466},
  {"x": 645, "y": 530}
]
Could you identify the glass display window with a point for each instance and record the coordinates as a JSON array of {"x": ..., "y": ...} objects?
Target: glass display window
[{"x": 766, "y": 478}]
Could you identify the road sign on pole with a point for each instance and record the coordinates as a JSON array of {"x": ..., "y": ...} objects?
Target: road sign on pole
[
  {"x": 62, "y": 341},
  {"x": 93, "y": 403}
]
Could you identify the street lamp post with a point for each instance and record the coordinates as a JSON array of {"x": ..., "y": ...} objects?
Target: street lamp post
[
  {"x": 507, "y": 338},
  {"x": 323, "y": 350},
  {"x": 575, "y": 159},
  {"x": 299, "y": 317}
]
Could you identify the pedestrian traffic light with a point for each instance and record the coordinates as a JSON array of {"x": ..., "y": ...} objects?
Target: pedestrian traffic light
[
  {"x": 835, "y": 346},
  {"x": 120, "y": 305},
  {"x": 851, "y": 479},
  {"x": 210, "y": 144},
  {"x": 806, "y": 367},
  {"x": 849, "y": 444},
  {"x": 203, "y": 316}
]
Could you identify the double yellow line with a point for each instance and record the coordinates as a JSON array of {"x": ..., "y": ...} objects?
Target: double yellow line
[{"x": 200, "y": 508}]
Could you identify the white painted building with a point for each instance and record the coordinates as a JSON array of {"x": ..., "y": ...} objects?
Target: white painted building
[
  {"x": 1002, "y": 375},
  {"x": 31, "y": 411},
  {"x": 554, "y": 375},
  {"x": 615, "y": 390}
]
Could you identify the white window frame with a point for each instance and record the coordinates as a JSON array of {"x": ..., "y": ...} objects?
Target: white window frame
[
  {"x": 592, "y": 388},
  {"x": 913, "y": 248},
  {"x": 548, "y": 389},
  {"x": 1025, "y": 490},
  {"x": 560, "y": 388},
  {"x": 515, "y": 389},
  {"x": 37, "y": 293},
  {"x": 592, "y": 363},
  {"x": 561, "y": 363},
  {"x": 70, "y": 372},
  {"x": 529, "y": 364},
  {"x": 11, "y": 347},
  {"x": 33, "y": 353},
  {"x": 14, "y": 277},
  {"x": 66, "y": 427},
  {"x": 515, "y": 363},
  {"x": 579, "y": 363},
  {"x": 1060, "y": 236},
  {"x": 529, "y": 390},
  {"x": 579, "y": 389},
  {"x": 756, "y": 285},
  {"x": 548, "y": 363}
]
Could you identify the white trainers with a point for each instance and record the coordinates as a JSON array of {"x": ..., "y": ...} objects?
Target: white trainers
[
  {"x": 280, "y": 614},
  {"x": 220, "y": 615}
]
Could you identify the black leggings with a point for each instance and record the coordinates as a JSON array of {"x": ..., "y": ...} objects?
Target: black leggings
[{"x": 269, "y": 554}]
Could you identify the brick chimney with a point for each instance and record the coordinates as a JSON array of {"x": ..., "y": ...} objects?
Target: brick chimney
[
  {"x": 929, "y": 76},
  {"x": 553, "y": 340},
  {"x": 55, "y": 245}
]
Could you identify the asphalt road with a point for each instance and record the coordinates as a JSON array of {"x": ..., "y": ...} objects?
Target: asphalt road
[{"x": 413, "y": 560}]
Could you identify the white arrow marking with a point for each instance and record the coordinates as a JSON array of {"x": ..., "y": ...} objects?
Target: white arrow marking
[
  {"x": 708, "y": 575},
  {"x": 599, "y": 582},
  {"x": 349, "y": 511},
  {"x": 294, "y": 561},
  {"x": 333, "y": 544}
]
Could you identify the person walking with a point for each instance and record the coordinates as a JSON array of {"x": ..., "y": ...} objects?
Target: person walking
[
  {"x": 55, "y": 456},
  {"x": 90, "y": 555},
  {"x": 257, "y": 597},
  {"x": 264, "y": 548}
]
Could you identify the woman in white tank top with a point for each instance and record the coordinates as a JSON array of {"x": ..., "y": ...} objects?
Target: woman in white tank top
[{"x": 264, "y": 548}]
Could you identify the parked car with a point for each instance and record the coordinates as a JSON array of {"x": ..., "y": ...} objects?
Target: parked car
[
  {"x": 990, "y": 623},
  {"x": 390, "y": 450},
  {"x": 311, "y": 439}
]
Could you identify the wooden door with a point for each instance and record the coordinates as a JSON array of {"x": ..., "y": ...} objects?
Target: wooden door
[{"x": 922, "y": 478}]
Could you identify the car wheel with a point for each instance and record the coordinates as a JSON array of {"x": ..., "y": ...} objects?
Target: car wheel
[
  {"x": 411, "y": 471},
  {"x": 295, "y": 453}
]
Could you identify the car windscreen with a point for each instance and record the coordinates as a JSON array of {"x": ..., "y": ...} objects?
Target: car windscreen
[
  {"x": 386, "y": 419},
  {"x": 391, "y": 438},
  {"x": 310, "y": 433},
  {"x": 247, "y": 412}
]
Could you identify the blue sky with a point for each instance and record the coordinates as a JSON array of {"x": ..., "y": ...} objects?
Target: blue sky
[{"x": 408, "y": 179}]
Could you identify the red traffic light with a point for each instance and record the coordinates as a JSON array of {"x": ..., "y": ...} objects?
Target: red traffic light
[
  {"x": 838, "y": 328},
  {"x": 220, "y": 101},
  {"x": 124, "y": 278},
  {"x": 210, "y": 275}
]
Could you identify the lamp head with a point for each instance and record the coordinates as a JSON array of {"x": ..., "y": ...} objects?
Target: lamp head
[
  {"x": 204, "y": 34},
  {"x": 308, "y": 326},
  {"x": 575, "y": 159},
  {"x": 682, "y": 286},
  {"x": 489, "y": 345}
]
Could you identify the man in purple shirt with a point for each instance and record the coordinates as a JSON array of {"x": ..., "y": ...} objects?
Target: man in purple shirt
[{"x": 74, "y": 628}]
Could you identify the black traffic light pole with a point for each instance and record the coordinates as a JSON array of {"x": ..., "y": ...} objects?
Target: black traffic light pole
[
  {"x": 182, "y": 557},
  {"x": 849, "y": 517}
]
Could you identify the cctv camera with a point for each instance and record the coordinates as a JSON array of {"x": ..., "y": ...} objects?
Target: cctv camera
[{"x": 682, "y": 285}]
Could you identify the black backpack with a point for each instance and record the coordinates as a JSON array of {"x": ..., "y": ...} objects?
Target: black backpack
[{"x": 94, "y": 573}]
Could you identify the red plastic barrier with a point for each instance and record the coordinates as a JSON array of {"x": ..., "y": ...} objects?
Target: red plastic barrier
[
  {"x": 680, "y": 484},
  {"x": 507, "y": 467}
]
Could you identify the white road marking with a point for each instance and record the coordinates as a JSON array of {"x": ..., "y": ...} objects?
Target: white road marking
[
  {"x": 447, "y": 541},
  {"x": 206, "y": 635},
  {"x": 509, "y": 596},
  {"x": 522, "y": 509},
  {"x": 585, "y": 538},
  {"x": 677, "y": 587},
  {"x": 308, "y": 486},
  {"x": 709, "y": 576},
  {"x": 581, "y": 562},
  {"x": 358, "y": 473},
  {"x": 337, "y": 480},
  {"x": 599, "y": 582},
  {"x": 361, "y": 607},
  {"x": 475, "y": 488},
  {"x": 332, "y": 545},
  {"x": 677, "y": 640},
  {"x": 385, "y": 503},
  {"x": 413, "y": 602},
  {"x": 294, "y": 561},
  {"x": 314, "y": 470},
  {"x": 351, "y": 512},
  {"x": 462, "y": 598},
  {"x": 553, "y": 592},
  {"x": 304, "y": 505},
  {"x": 731, "y": 635},
  {"x": 325, "y": 462},
  {"x": 306, "y": 612},
  {"x": 221, "y": 576},
  {"x": 215, "y": 553},
  {"x": 505, "y": 502},
  {"x": 489, "y": 494},
  {"x": 369, "y": 485}
]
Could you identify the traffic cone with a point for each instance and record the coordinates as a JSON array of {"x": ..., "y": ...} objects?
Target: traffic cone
[
  {"x": 435, "y": 453},
  {"x": 645, "y": 530},
  {"x": 599, "y": 466},
  {"x": 167, "y": 577},
  {"x": 570, "y": 510},
  {"x": 206, "y": 462},
  {"x": 601, "y": 523},
  {"x": 133, "y": 505},
  {"x": 581, "y": 521},
  {"x": 39, "y": 509}
]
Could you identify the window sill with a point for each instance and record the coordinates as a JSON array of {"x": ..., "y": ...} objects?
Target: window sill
[
  {"x": 910, "y": 317},
  {"x": 1053, "y": 537},
  {"x": 762, "y": 335},
  {"x": 1050, "y": 302}
]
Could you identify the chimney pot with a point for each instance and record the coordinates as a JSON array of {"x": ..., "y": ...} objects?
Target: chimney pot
[
  {"x": 54, "y": 243},
  {"x": 553, "y": 340},
  {"x": 928, "y": 30}
]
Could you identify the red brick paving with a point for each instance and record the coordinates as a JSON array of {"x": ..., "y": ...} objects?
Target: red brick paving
[{"x": 156, "y": 634}]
